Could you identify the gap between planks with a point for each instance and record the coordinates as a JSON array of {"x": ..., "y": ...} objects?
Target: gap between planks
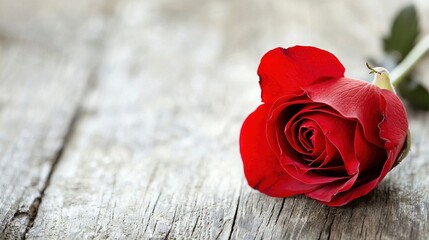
[{"x": 34, "y": 207}]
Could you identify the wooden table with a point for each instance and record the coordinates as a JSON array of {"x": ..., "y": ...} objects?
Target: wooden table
[{"x": 121, "y": 119}]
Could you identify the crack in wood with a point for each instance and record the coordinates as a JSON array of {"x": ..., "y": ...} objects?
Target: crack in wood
[
  {"x": 195, "y": 225},
  {"x": 34, "y": 207},
  {"x": 280, "y": 211},
  {"x": 330, "y": 227},
  {"x": 152, "y": 213},
  {"x": 235, "y": 216},
  {"x": 172, "y": 224}
]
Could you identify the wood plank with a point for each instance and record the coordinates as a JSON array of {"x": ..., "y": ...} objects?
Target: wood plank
[
  {"x": 39, "y": 93},
  {"x": 155, "y": 151},
  {"x": 44, "y": 72}
]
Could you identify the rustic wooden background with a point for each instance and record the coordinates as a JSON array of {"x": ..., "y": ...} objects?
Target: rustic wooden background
[{"x": 120, "y": 120}]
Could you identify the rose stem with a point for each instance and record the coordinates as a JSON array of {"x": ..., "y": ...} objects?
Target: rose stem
[{"x": 416, "y": 54}]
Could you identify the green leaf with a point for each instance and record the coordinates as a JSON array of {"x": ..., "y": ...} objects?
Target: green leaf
[
  {"x": 415, "y": 93},
  {"x": 404, "y": 32}
]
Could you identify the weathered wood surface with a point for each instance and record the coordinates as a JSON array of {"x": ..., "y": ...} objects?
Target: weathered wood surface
[
  {"x": 41, "y": 85},
  {"x": 36, "y": 112},
  {"x": 122, "y": 120}
]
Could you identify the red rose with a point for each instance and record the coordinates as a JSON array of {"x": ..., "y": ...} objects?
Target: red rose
[{"x": 318, "y": 133}]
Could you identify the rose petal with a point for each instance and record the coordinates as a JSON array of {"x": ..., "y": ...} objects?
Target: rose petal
[
  {"x": 327, "y": 192},
  {"x": 393, "y": 130},
  {"x": 353, "y": 99},
  {"x": 370, "y": 156},
  {"x": 305, "y": 135},
  {"x": 301, "y": 172},
  {"x": 339, "y": 132},
  {"x": 287, "y": 71},
  {"x": 281, "y": 112},
  {"x": 295, "y": 135},
  {"x": 331, "y": 157},
  {"x": 261, "y": 166},
  {"x": 363, "y": 188},
  {"x": 337, "y": 171},
  {"x": 394, "y": 127},
  {"x": 318, "y": 156},
  {"x": 317, "y": 139}
]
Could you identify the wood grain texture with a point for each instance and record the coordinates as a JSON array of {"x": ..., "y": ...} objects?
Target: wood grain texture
[
  {"x": 39, "y": 93},
  {"x": 41, "y": 85},
  {"x": 153, "y": 153}
]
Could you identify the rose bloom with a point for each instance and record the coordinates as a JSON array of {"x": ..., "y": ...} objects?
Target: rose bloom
[{"x": 317, "y": 132}]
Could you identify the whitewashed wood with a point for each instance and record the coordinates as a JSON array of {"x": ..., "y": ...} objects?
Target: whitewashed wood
[
  {"x": 44, "y": 73},
  {"x": 154, "y": 153},
  {"x": 39, "y": 92}
]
